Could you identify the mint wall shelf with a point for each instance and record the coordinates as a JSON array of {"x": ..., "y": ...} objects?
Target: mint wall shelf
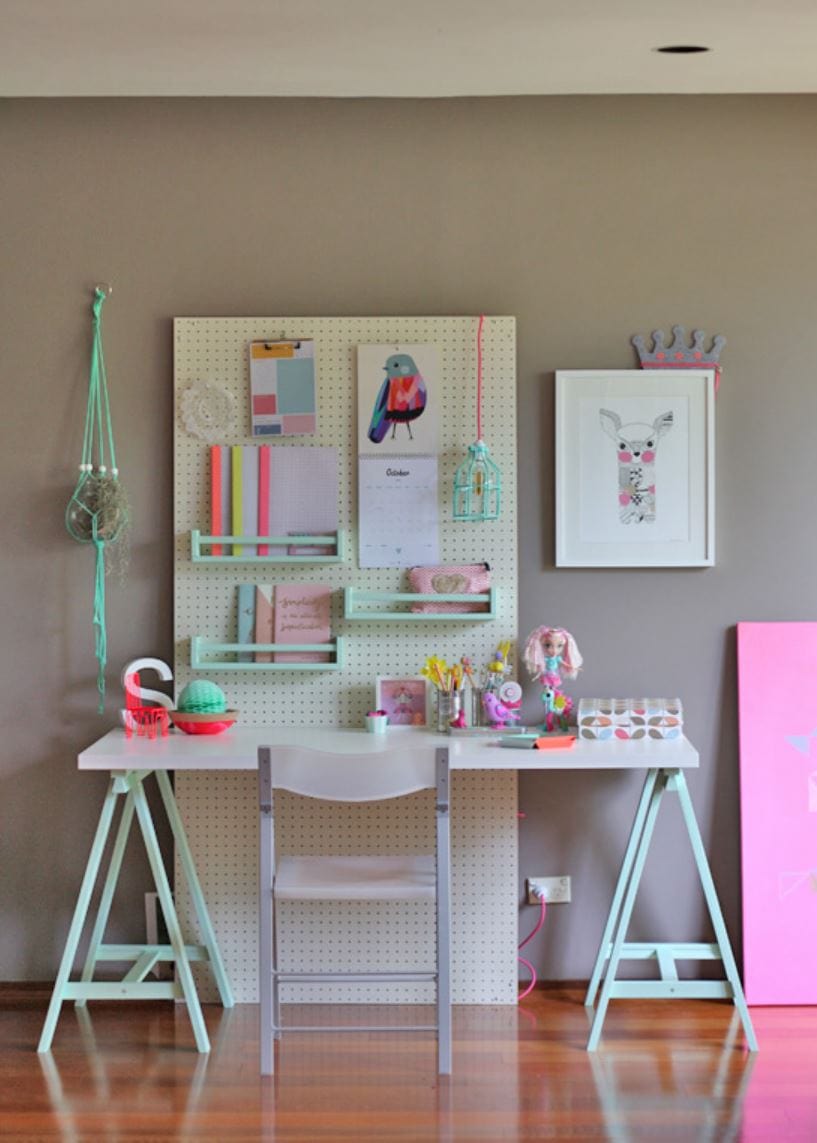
[
  {"x": 198, "y": 542},
  {"x": 202, "y": 651},
  {"x": 396, "y": 605}
]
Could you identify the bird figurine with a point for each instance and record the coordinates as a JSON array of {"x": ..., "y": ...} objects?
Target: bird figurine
[
  {"x": 402, "y": 398},
  {"x": 499, "y": 715}
]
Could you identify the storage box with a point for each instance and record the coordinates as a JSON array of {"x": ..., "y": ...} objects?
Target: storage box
[{"x": 630, "y": 718}]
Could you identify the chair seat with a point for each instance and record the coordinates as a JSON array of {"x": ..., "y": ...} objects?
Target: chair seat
[{"x": 376, "y": 878}]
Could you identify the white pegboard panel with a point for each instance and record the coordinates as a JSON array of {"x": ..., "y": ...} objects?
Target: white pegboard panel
[{"x": 220, "y": 809}]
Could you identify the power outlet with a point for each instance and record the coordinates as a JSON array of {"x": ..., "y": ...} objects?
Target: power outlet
[{"x": 555, "y": 890}]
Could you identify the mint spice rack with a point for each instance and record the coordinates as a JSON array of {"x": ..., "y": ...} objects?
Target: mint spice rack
[
  {"x": 202, "y": 651},
  {"x": 396, "y": 605},
  {"x": 200, "y": 542}
]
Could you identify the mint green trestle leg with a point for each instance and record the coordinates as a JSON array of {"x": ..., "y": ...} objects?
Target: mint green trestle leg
[
  {"x": 614, "y": 946},
  {"x": 106, "y": 899},
  {"x": 678, "y": 783},
  {"x": 623, "y": 921},
  {"x": 621, "y": 885},
  {"x": 78, "y": 920},
  {"x": 183, "y": 969},
  {"x": 129, "y": 785},
  {"x": 194, "y": 885}
]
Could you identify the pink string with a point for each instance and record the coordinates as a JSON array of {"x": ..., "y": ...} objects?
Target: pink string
[
  {"x": 527, "y": 991},
  {"x": 479, "y": 377}
]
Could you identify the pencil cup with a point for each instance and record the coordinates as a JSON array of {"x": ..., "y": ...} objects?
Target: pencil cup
[
  {"x": 449, "y": 706},
  {"x": 377, "y": 723},
  {"x": 477, "y": 713}
]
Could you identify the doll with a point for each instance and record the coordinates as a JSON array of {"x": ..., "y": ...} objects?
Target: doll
[{"x": 551, "y": 655}]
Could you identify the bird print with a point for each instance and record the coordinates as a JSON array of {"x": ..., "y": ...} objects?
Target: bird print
[{"x": 402, "y": 398}]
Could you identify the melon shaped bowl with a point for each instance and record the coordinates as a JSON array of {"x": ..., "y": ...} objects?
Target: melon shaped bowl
[{"x": 205, "y": 722}]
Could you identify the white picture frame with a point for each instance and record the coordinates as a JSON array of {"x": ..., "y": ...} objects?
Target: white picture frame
[
  {"x": 648, "y": 498},
  {"x": 406, "y": 701}
]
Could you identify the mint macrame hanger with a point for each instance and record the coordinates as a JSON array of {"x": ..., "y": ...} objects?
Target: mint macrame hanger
[{"x": 97, "y": 512}]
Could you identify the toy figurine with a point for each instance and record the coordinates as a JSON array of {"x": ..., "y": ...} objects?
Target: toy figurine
[
  {"x": 499, "y": 715},
  {"x": 551, "y": 655}
]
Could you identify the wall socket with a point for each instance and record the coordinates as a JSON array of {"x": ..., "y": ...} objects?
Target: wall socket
[{"x": 556, "y": 890}]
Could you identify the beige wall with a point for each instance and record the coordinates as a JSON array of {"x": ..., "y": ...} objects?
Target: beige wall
[{"x": 590, "y": 219}]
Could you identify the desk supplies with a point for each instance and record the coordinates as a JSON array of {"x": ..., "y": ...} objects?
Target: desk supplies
[
  {"x": 256, "y": 490},
  {"x": 377, "y": 721},
  {"x": 630, "y": 718},
  {"x": 538, "y": 741}
]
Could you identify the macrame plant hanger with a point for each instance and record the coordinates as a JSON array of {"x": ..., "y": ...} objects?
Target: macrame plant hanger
[
  {"x": 477, "y": 481},
  {"x": 97, "y": 512}
]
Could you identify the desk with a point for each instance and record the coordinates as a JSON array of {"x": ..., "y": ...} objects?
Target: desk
[{"x": 131, "y": 761}]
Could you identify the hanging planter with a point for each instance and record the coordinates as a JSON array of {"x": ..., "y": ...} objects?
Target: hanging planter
[
  {"x": 477, "y": 481},
  {"x": 97, "y": 512}
]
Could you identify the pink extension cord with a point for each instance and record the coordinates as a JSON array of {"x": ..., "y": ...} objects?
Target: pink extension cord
[{"x": 527, "y": 991}]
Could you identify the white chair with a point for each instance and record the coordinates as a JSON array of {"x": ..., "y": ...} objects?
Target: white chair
[{"x": 353, "y": 778}]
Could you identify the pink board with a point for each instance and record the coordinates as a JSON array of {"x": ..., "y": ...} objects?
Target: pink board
[{"x": 777, "y": 701}]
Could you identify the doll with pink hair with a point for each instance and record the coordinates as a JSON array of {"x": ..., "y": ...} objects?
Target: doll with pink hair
[{"x": 551, "y": 655}]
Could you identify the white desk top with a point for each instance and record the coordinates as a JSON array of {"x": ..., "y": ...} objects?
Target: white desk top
[{"x": 236, "y": 749}]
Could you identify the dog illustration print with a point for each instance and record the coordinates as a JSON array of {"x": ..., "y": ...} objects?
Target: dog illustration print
[{"x": 636, "y": 445}]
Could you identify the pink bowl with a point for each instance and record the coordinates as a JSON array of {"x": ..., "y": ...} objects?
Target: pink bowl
[{"x": 192, "y": 723}]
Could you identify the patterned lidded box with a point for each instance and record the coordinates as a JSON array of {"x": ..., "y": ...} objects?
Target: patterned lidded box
[{"x": 630, "y": 718}]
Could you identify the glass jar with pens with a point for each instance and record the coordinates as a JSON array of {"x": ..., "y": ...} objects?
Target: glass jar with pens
[{"x": 448, "y": 693}]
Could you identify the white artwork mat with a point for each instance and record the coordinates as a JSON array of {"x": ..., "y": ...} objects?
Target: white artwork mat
[
  {"x": 398, "y": 514},
  {"x": 635, "y": 468},
  {"x": 398, "y": 400},
  {"x": 600, "y": 513}
]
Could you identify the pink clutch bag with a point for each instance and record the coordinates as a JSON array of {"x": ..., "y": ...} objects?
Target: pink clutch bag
[{"x": 451, "y": 579}]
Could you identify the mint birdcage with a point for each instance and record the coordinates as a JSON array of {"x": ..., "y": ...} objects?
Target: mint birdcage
[{"x": 478, "y": 481}]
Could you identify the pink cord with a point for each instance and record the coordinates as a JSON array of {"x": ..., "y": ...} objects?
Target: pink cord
[
  {"x": 527, "y": 991},
  {"x": 479, "y": 377}
]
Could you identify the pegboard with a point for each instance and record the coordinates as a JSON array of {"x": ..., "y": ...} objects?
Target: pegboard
[{"x": 220, "y": 809}]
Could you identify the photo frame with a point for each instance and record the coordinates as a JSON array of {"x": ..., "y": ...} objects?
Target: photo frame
[
  {"x": 406, "y": 701},
  {"x": 635, "y": 468}
]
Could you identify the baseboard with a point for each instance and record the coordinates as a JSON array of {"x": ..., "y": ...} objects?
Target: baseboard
[{"x": 20, "y": 991}]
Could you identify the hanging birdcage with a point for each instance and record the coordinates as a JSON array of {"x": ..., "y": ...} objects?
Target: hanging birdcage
[
  {"x": 478, "y": 481},
  {"x": 477, "y": 485}
]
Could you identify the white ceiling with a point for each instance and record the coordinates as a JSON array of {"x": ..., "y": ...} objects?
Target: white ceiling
[{"x": 415, "y": 48}]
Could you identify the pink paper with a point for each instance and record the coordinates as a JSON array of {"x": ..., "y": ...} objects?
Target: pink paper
[
  {"x": 777, "y": 699},
  {"x": 302, "y": 615}
]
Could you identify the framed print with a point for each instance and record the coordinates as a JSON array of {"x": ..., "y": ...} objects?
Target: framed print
[
  {"x": 405, "y": 701},
  {"x": 635, "y": 468}
]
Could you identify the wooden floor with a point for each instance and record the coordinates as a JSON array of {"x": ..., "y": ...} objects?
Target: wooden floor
[{"x": 666, "y": 1070}]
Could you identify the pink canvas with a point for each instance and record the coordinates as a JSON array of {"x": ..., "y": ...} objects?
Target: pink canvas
[{"x": 777, "y": 700}]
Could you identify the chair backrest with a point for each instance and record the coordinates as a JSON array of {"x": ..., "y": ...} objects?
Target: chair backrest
[{"x": 367, "y": 777}]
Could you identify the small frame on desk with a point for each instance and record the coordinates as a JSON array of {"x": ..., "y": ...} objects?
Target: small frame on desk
[
  {"x": 635, "y": 468},
  {"x": 406, "y": 701}
]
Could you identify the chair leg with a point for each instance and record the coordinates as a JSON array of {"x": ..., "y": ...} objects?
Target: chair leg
[
  {"x": 265, "y": 940},
  {"x": 444, "y": 1063},
  {"x": 276, "y": 987}
]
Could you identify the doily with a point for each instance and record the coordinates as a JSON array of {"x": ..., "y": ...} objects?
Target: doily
[{"x": 207, "y": 410}]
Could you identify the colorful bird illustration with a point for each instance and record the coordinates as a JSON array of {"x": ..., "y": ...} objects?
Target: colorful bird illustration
[{"x": 402, "y": 398}]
